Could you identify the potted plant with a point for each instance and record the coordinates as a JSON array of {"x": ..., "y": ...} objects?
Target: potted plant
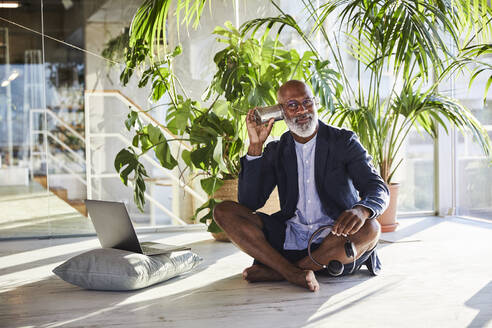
[
  {"x": 249, "y": 71},
  {"x": 384, "y": 38}
]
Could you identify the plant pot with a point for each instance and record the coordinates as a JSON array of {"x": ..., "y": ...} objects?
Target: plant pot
[
  {"x": 228, "y": 191},
  {"x": 388, "y": 218}
]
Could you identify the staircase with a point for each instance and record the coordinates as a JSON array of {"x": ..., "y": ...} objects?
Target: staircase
[
  {"x": 57, "y": 147},
  {"x": 62, "y": 193},
  {"x": 68, "y": 153},
  {"x": 160, "y": 182}
]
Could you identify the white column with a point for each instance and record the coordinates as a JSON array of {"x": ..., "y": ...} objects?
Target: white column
[
  {"x": 88, "y": 167},
  {"x": 445, "y": 172}
]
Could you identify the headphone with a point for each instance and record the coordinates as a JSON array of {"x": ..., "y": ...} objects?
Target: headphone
[{"x": 334, "y": 267}]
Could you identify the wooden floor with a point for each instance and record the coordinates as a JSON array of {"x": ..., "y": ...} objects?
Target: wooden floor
[{"x": 437, "y": 273}]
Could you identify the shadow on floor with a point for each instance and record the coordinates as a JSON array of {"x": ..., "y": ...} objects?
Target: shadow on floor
[
  {"x": 210, "y": 256},
  {"x": 482, "y": 301},
  {"x": 63, "y": 305},
  {"x": 471, "y": 222},
  {"x": 52, "y": 302},
  {"x": 408, "y": 231}
]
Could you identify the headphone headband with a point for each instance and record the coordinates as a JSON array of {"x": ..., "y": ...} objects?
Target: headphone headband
[{"x": 349, "y": 249}]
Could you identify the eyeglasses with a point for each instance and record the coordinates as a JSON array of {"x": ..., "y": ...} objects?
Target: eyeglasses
[{"x": 293, "y": 105}]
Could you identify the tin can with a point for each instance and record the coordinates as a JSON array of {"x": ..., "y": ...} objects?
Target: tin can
[{"x": 264, "y": 114}]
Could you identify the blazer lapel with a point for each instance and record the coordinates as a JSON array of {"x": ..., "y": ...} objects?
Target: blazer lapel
[{"x": 290, "y": 165}]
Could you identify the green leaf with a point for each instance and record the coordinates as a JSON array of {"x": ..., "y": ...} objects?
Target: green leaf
[
  {"x": 219, "y": 157},
  {"x": 208, "y": 204},
  {"x": 201, "y": 157},
  {"x": 163, "y": 73},
  {"x": 213, "y": 227},
  {"x": 214, "y": 122},
  {"x": 221, "y": 108},
  {"x": 325, "y": 84},
  {"x": 487, "y": 86},
  {"x": 126, "y": 75},
  {"x": 147, "y": 74},
  {"x": 139, "y": 187},
  {"x": 126, "y": 162},
  {"x": 155, "y": 134},
  {"x": 177, "y": 51},
  {"x": 235, "y": 148},
  {"x": 158, "y": 90},
  {"x": 201, "y": 134},
  {"x": 163, "y": 153},
  {"x": 135, "y": 140},
  {"x": 208, "y": 218},
  {"x": 162, "y": 150},
  {"x": 122, "y": 159},
  {"x": 180, "y": 117},
  {"x": 211, "y": 184},
  {"x": 131, "y": 119},
  {"x": 145, "y": 142},
  {"x": 185, "y": 155}
]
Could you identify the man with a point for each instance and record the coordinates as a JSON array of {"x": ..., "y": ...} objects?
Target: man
[{"x": 318, "y": 170}]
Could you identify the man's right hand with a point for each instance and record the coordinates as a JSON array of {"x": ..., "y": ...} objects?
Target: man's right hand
[{"x": 257, "y": 133}]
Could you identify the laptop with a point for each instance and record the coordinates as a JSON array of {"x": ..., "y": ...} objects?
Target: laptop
[{"x": 115, "y": 229}]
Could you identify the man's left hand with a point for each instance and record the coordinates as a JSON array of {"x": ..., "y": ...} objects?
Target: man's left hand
[{"x": 350, "y": 221}]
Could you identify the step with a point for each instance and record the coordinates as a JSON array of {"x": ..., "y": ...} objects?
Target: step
[
  {"x": 60, "y": 192},
  {"x": 79, "y": 205},
  {"x": 41, "y": 179}
]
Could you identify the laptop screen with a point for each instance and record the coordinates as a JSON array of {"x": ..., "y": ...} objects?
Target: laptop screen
[{"x": 113, "y": 225}]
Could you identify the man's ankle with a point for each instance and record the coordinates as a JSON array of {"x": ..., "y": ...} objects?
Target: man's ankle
[
  {"x": 307, "y": 264},
  {"x": 290, "y": 272}
]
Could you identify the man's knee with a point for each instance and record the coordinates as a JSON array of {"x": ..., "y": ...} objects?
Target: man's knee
[
  {"x": 234, "y": 213},
  {"x": 223, "y": 210},
  {"x": 371, "y": 229}
]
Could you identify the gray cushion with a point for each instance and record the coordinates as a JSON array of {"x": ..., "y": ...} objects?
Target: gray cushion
[{"x": 114, "y": 269}]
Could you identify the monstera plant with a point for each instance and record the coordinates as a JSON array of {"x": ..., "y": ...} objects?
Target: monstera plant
[{"x": 249, "y": 71}]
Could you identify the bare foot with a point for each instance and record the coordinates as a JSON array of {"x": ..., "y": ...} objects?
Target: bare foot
[
  {"x": 258, "y": 272},
  {"x": 305, "y": 278}
]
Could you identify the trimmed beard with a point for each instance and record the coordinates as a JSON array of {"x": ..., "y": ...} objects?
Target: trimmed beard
[{"x": 303, "y": 130}]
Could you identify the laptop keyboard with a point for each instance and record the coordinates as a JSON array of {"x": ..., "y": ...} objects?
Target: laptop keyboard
[{"x": 147, "y": 249}]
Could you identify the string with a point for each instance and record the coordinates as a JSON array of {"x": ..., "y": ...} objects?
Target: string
[{"x": 62, "y": 42}]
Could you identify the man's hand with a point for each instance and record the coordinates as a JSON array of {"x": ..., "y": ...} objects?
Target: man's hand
[
  {"x": 350, "y": 221},
  {"x": 257, "y": 133}
]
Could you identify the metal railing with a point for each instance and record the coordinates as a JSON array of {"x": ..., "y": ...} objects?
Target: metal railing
[
  {"x": 47, "y": 134},
  {"x": 66, "y": 168},
  {"x": 90, "y": 174}
]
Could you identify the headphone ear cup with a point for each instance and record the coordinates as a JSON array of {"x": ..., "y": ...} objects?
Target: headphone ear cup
[
  {"x": 335, "y": 268},
  {"x": 350, "y": 249}
]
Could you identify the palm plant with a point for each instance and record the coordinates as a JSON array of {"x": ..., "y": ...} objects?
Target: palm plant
[
  {"x": 474, "y": 25},
  {"x": 401, "y": 38}
]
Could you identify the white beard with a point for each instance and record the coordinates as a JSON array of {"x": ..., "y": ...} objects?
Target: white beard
[{"x": 303, "y": 130}]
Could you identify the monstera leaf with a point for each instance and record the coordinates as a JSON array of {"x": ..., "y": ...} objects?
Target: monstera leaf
[
  {"x": 325, "y": 84},
  {"x": 126, "y": 162}
]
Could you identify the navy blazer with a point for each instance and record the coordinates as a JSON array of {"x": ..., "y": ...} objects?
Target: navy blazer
[{"x": 343, "y": 172}]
